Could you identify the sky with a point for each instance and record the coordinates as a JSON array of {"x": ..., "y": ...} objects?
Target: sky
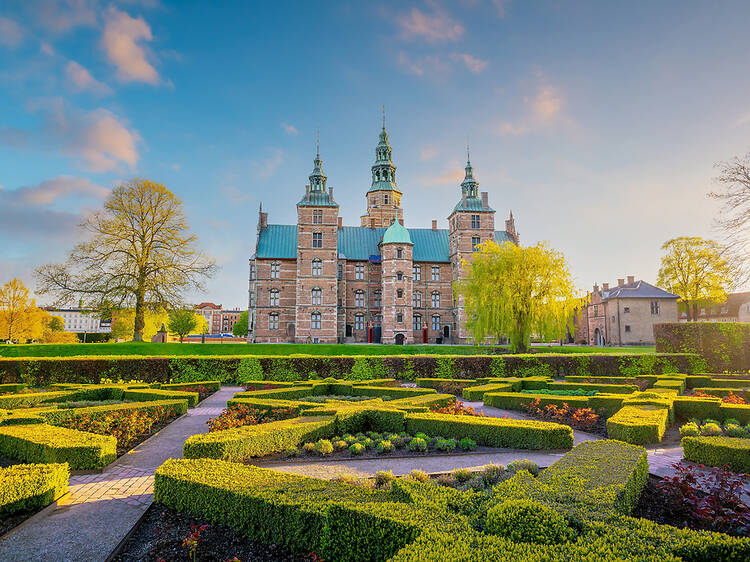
[{"x": 597, "y": 123}]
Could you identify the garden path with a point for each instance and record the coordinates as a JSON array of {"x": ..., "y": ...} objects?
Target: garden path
[{"x": 100, "y": 509}]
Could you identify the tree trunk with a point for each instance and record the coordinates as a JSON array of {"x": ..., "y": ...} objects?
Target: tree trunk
[
  {"x": 180, "y": 338},
  {"x": 140, "y": 315},
  {"x": 695, "y": 312}
]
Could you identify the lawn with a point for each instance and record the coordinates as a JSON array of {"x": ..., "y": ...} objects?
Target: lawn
[{"x": 173, "y": 349}]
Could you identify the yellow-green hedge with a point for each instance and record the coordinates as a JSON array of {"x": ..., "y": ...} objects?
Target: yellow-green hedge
[
  {"x": 143, "y": 395},
  {"x": 28, "y": 487},
  {"x": 212, "y": 386},
  {"x": 476, "y": 393},
  {"x": 42, "y": 443},
  {"x": 639, "y": 425},
  {"x": 57, "y": 416},
  {"x": 718, "y": 451}
]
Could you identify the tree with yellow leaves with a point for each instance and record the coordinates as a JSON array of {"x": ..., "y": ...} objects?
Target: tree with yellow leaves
[
  {"x": 139, "y": 255},
  {"x": 122, "y": 325},
  {"x": 20, "y": 318},
  {"x": 697, "y": 270},
  {"x": 513, "y": 291}
]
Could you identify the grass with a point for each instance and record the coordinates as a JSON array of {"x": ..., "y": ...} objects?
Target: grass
[{"x": 173, "y": 349}]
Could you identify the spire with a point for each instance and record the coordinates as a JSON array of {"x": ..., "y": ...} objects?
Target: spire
[
  {"x": 383, "y": 171},
  {"x": 317, "y": 177},
  {"x": 384, "y": 117},
  {"x": 470, "y": 185}
]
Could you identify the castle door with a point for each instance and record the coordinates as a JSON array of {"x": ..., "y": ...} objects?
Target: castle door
[
  {"x": 377, "y": 333},
  {"x": 446, "y": 333},
  {"x": 597, "y": 337},
  {"x": 290, "y": 333},
  {"x": 400, "y": 339}
]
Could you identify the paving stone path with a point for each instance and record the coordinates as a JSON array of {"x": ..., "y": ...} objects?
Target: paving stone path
[{"x": 100, "y": 509}]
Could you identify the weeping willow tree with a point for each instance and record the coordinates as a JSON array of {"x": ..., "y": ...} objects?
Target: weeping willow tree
[{"x": 516, "y": 292}]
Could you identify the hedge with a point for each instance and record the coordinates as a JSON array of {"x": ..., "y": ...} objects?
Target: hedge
[
  {"x": 517, "y": 401},
  {"x": 428, "y": 400},
  {"x": 56, "y": 416},
  {"x": 740, "y": 412},
  {"x": 285, "y": 393},
  {"x": 212, "y": 386},
  {"x": 728, "y": 383},
  {"x": 242, "y": 443},
  {"x": 43, "y": 371},
  {"x": 493, "y": 432},
  {"x": 28, "y": 487},
  {"x": 718, "y": 451},
  {"x": 639, "y": 425},
  {"x": 608, "y": 388},
  {"x": 44, "y": 443},
  {"x": 11, "y": 401},
  {"x": 671, "y": 384},
  {"x": 393, "y": 392},
  {"x": 724, "y": 346},
  {"x": 476, "y": 393},
  {"x": 141, "y": 395},
  {"x": 11, "y": 388},
  {"x": 611, "y": 380},
  {"x": 443, "y": 385}
]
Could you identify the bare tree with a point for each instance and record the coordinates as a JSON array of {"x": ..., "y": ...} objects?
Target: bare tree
[
  {"x": 139, "y": 254},
  {"x": 734, "y": 217}
]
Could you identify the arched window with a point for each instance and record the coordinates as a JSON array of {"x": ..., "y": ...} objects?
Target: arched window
[
  {"x": 416, "y": 273},
  {"x": 416, "y": 299},
  {"x": 376, "y": 299},
  {"x": 315, "y": 321},
  {"x": 359, "y": 298},
  {"x": 435, "y": 299},
  {"x": 399, "y": 253},
  {"x": 275, "y": 270},
  {"x": 317, "y": 296},
  {"x": 399, "y": 275},
  {"x": 359, "y": 322},
  {"x": 317, "y": 267},
  {"x": 273, "y": 321},
  {"x": 436, "y": 322},
  {"x": 273, "y": 297},
  {"x": 417, "y": 322}
]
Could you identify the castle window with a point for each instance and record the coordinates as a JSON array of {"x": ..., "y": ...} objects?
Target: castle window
[
  {"x": 435, "y": 299},
  {"x": 252, "y": 299},
  {"x": 626, "y": 309},
  {"x": 475, "y": 241},
  {"x": 399, "y": 253},
  {"x": 399, "y": 318},
  {"x": 359, "y": 271},
  {"x": 315, "y": 321},
  {"x": 385, "y": 199},
  {"x": 399, "y": 276},
  {"x": 317, "y": 239},
  {"x": 399, "y": 293},
  {"x": 435, "y": 273},
  {"x": 252, "y": 271},
  {"x": 317, "y": 296},
  {"x": 359, "y": 298},
  {"x": 317, "y": 267},
  {"x": 627, "y": 327},
  {"x": 417, "y": 322},
  {"x": 273, "y": 298},
  {"x": 317, "y": 216},
  {"x": 416, "y": 299},
  {"x": 341, "y": 271},
  {"x": 359, "y": 322},
  {"x": 273, "y": 321},
  {"x": 436, "y": 322},
  {"x": 376, "y": 300},
  {"x": 416, "y": 273},
  {"x": 655, "y": 308},
  {"x": 275, "y": 270},
  {"x": 474, "y": 221}
]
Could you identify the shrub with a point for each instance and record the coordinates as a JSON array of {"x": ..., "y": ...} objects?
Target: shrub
[
  {"x": 467, "y": 444},
  {"x": 357, "y": 449},
  {"x": 308, "y": 447},
  {"x": 249, "y": 369},
  {"x": 494, "y": 432},
  {"x": 445, "y": 445},
  {"x": 711, "y": 429},
  {"x": 324, "y": 447},
  {"x": 238, "y": 415},
  {"x": 734, "y": 430},
  {"x": 718, "y": 451},
  {"x": 638, "y": 424},
  {"x": 28, "y": 487},
  {"x": 418, "y": 445},
  {"x": 292, "y": 452},
  {"x": 528, "y": 521},
  {"x": 523, "y": 464},
  {"x": 145, "y": 394},
  {"x": 419, "y": 476},
  {"x": 383, "y": 478},
  {"x": 476, "y": 393},
  {"x": 340, "y": 445},
  {"x": 462, "y": 475},
  {"x": 491, "y": 474},
  {"x": 385, "y": 447},
  {"x": 690, "y": 430}
]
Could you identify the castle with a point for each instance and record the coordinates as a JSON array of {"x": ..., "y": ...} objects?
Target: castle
[{"x": 318, "y": 281}]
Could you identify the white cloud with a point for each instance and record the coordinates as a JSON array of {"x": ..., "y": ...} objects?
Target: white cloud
[
  {"x": 547, "y": 103},
  {"x": 267, "y": 167},
  {"x": 11, "y": 34},
  {"x": 542, "y": 110},
  {"x": 512, "y": 129},
  {"x": 427, "y": 153},
  {"x": 472, "y": 63},
  {"x": 61, "y": 16},
  {"x": 81, "y": 80},
  {"x": 431, "y": 27},
  {"x": 47, "y": 49},
  {"x": 421, "y": 66},
  {"x": 49, "y": 191},
  {"x": 122, "y": 39},
  {"x": 289, "y": 129}
]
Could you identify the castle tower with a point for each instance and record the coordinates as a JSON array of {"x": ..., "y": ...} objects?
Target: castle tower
[
  {"x": 471, "y": 223},
  {"x": 383, "y": 197},
  {"x": 396, "y": 251},
  {"x": 317, "y": 259}
]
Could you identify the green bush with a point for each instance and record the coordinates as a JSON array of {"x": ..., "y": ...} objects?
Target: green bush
[
  {"x": 687, "y": 407},
  {"x": 417, "y": 445},
  {"x": 476, "y": 393},
  {"x": 608, "y": 388},
  {"x": 446, "y": 445},
  {"x": 385, "y": 446},
  {"x": 722, "y": 345},
  {"x": 42, "y": 443},
  {"x": 249, "y": 369},
  {"x": 638, "y": 425},
  {"x": 324, "y": 447},
  {"x": 11, "y": 401},
  {"x": 357, "y": 449},
  {"x": 142, "y": 395},
  {"x": 11, "y": 388},
  {"x": 711, "y": 430},
  {"x": 28, "y": 487},
  {"x": 529, "y": 522},
  {"x": 718, "y": 451},
  {"x": 523, "y": 464},
  {"x": 690, "y": 430},
  {"x": 494, "y": 432},
  {"x": 211, "y": 386},
  {"x": 393, "y": 392}
]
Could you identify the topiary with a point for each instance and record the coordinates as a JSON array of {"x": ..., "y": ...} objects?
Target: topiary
[
  {"x": 357, "y": 449},
  {"x": 528, "y": 521},
  {"x": 523, "y": 464},
  {"x": 418, "y": 445},
  {"x": 467, "y": 444},
  {"x": 324, "y": 447}
]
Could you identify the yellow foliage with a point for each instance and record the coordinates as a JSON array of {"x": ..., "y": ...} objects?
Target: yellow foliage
[{"x": 123, "y": 320}]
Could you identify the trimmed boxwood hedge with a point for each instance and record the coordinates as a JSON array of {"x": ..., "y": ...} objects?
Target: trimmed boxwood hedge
[
  {"x": 43, "y": 371},
  {"x": 476, "y": 393},
  {"x": 28, "y": 487},
  {"x": 718, "y": 451},
  {"x": 42, "y": 443},
  {"x": 493, "y": 432},
  {"x": 517, "y": 401},
  {"x": 58, "y": 416},
  {"x": 608, "y": 388},
  {"x": 142, "y": 395},
  {"x": 212, "y": 386},
  {"x": 11, "y": 388},
  {"x": 639, "y": 425}
]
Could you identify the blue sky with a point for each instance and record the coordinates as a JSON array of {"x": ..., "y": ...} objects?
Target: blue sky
[{"x": 596, "y": 123}]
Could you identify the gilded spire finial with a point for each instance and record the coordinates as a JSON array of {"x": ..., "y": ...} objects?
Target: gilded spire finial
[
  {"x": 468, "y": 156},
  {"x": 317, "y": 142},
  {"x": 383, "y": 106}
]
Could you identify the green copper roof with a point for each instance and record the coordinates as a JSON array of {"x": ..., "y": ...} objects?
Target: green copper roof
[
  {"x": 318, "y": 199},
  {"x": 396, "y": 234},
  {"x": 278, "y": 241},
  {"x": 472, "y": 204}
]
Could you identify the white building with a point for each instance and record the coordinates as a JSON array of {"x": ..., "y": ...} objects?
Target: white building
[{"x": 82, "y": 320}]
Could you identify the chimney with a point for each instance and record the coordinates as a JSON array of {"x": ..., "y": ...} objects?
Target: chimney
[
  {"x": 485, "y": 202},
  {"x": 372, "y": 223},
  {"x": 596, "y": 287},
  {"x": 620, "y": 282},
  {"x": 434, "y": 224},
  {"x": 341, "y": 222},
  {"x": 631, "y": 279},
  {"x": 605, "y": 286},
  {"x": 263, "y": 220},
  {"x": 401, "y": 222},
  {"x": 330, "y": 193}
]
